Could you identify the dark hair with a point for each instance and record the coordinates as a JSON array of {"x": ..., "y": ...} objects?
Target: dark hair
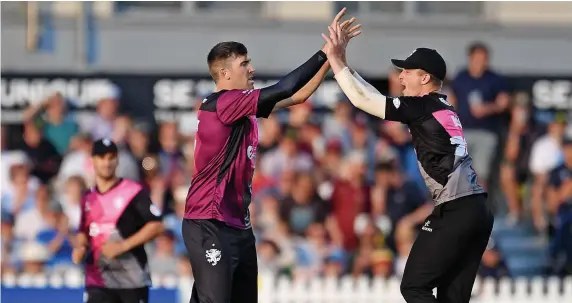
[
  {"x": 477, "y": 46},
  {"x": 223, "y": 51},
  {"x": 385, "y": 166}
]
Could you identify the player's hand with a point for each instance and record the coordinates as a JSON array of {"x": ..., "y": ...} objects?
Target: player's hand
[
  {"x": 346, "y": 26},
  {"x": 340, "y": 35},
  {"x": 112, "y": 249},
  {"x": 77, "y": 254}
]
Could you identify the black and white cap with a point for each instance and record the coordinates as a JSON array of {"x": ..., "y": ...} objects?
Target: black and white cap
[{"x": 103, "y": 146}]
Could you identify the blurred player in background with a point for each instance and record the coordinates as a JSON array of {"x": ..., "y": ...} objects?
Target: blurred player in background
[
  {"x": 217, "y": 229},
  {"x": 447, "y": 253},
  {"x": 117, "y": 219}
]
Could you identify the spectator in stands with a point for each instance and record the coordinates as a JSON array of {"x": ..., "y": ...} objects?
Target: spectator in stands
[
  {"x": 286, "y": 156},
  {"x": 361, "y": 139},
  {"x": 43, "y": 216},
  {"x": 514, "y": 172},
  {"x": 173, "y": 221},
  {"x": 480, "y": 95},
  {"x": 493, "y": 264},
  {"x": 560, "y": 180},
  {"x": 350, "y": 186},
  {"x": 9, "y": 159},
  {"x": 546, "y": 155},
  {"x": 162, "y": 259},
  {"x": 138, "y": 145},
  {"x": 19, "y": 196},
  {"x": 398, "y": 199},
  {"x": 57, "y": 124},
  {"x": 404, "y": 236},
  {"x": 334, "y": 265},
  {"x": 339, "y": 122},
  {"x": 34, "y": 257},
  {"x": 101, "y": 125},
  {"x": 70, "y": 200},
  {"x": 121, "y": 128},
  {"x": 382, "y": 263},
  {"x": 313, "y": 250},
  {"x": 270, "y": 133},
  {"x": 77, "y": 161},
  {"x": 371, "y": 239},
  {"x": 303, "y": 207},
  {"x": 299, "y": 114},
  {"x": 311, "y": 139},
  {"x": 170, "y": 156},
  {"x": 560, "y": 209},
  {"x": 330, "y": 168},
  {"x": 268, "y": 257},
  {"x": 267, "y": 214},
  {"x": 44, "y": 158}
]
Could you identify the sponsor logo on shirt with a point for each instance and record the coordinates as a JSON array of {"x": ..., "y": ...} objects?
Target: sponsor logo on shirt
[
  {"x": 445, "y": 101},
  {"x": 155, "y": 210},
  {"x": 426, "y": 227},
  {"x": 96, "y": 229},
  {"x": 396, "y": 102}
]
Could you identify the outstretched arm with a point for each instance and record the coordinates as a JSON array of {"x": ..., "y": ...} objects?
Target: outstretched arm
[
  {"x": 360, "y": 93},
  {"x": 305, "y": 92}
]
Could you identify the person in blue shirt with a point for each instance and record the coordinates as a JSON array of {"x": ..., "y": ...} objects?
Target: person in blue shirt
[{"x": 480, "y": 96}]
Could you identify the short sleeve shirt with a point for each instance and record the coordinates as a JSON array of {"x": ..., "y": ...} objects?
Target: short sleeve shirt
[{"x": 225, "y": 151}]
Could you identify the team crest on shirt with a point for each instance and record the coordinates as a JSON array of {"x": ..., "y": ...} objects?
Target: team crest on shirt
[
  {"x": 155, "y": 210},
  {"x": 213, "y": 255},
  {"x": 251, "y": 152},
  {"x": 396, "y": 102}
]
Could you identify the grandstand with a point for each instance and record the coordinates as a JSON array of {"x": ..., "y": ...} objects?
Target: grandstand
[{"x": 136, "y": 71}]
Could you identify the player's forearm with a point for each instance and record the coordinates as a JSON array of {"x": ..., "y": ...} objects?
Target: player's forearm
[
  {"x": 305, "y": 92},
  {"x": 360, "y": 93},
  {"x": 144, "y": 235},
  {"x": 80, "y": 240},
  {"x": 33, "y": 111},
  {"x": 294, "y": 81}
]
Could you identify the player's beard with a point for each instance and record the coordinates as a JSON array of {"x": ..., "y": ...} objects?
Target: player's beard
[{"x": 105, "y": 176}]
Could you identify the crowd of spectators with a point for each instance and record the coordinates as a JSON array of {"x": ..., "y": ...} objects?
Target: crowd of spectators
[{"x": 334, "y": 194}]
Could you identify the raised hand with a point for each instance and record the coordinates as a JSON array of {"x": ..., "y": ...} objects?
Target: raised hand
[{"x": 340, "y": 35}]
